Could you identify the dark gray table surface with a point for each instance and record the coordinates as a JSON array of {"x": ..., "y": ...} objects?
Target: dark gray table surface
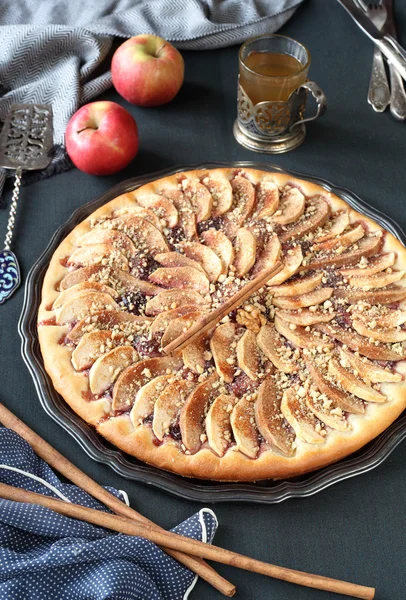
[{"x": 354, "y": 530}]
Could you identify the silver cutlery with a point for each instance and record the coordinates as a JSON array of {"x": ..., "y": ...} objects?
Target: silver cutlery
[{"x": 398, "y": 95}]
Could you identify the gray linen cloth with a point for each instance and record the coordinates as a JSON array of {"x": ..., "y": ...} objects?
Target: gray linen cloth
[{"x": 51, "y": 50}]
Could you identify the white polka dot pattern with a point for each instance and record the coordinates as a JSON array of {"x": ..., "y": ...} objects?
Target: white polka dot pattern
[{"x": 46, "y": 556}]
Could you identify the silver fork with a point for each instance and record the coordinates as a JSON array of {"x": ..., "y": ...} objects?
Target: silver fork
[
  {"x": 379, "y": 92},
  {"x": 397, "y": 90}
]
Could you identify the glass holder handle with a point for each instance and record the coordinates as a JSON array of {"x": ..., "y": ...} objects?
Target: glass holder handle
[{"x": 320, "y": 99}]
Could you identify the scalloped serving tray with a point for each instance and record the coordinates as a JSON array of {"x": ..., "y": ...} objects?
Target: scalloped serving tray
[{"x": 264, "y": 492}]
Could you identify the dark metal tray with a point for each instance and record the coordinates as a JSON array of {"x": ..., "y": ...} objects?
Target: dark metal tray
[{"x": 265, "y": 492}]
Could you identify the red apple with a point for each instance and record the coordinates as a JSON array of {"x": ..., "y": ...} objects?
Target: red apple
[
  {"x": 101, "y": 138},
  {"x": 147, "y": 70}
]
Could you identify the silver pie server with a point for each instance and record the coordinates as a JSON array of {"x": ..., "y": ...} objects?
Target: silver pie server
[{"x": 25, "y": 145}]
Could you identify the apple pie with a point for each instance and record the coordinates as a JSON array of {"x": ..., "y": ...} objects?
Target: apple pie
[{"x": 306, "y": 371}]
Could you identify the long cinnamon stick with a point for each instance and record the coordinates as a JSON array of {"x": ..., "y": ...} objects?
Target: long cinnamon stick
[
  {"x": 208, "y": 321},
  {"x": 56, "y": 460},
  {"x": 187, "y": 545}
]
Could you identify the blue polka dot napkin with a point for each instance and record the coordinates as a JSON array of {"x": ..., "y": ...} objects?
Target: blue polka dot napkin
[{"x": 46, "y": 556}]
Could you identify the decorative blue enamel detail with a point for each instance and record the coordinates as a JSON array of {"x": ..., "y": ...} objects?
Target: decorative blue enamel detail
[{"x": 9, "y": 274}]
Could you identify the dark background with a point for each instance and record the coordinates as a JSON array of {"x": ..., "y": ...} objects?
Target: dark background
[{"x": 354, "y": 530}]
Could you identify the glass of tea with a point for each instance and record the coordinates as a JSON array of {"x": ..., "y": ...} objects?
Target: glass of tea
[{"x": 272, "y": 94}]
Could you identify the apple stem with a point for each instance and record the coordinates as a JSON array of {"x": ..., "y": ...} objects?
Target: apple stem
[
  {"x": 159, "y": 50},
  {"x": 84, "y": 129}
]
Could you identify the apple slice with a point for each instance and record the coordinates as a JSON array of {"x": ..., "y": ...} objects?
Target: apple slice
[
  {"x": 352, "y": 384},
  {"x": 140, "y": 211},
  {"x": 360, "y": 344},
  {"x": 119, "y": 240},
  {"x": 208, "y": 259},
  {"x": 162, "y": 320},
  {"x": 387, "y": 336},
  {"x": 305, "y": 300},
  {"x": 220, "y": 189},
  {"x": 245, "y": 251},
  {"x": 108, "y": 367},
  {"x": 91, "y": 346},
  {"x": 367, "y": 246},
  {"x": 243, "y": 204},
  {"x": 83, "y": 305},
  {"x": 268, "y": 256},
  {"x": 186, "y": 215},
  {"x": 267, "y": 198},
  {"x": 96, "y": 254},
  {"x": 179, "y": 326},
  {"x": 302, "y": 420},
  {"x": 199, "y": 197},
  {"x": 346, "y": 402},
  {"x": 146, "y": 397},
  {"x": 345, "y": 240},
  {"x": 193, "y": 412},
  {"x": 223, "y": 353},
  {"x": 244, "y": 428},
  {"x": 388, "y": 295},
  {"x": 176, "y": 259},
  {"x": 135, "y": 376},
  {"x": 218, "y": 426},
  {"x": 291, "y": 208},
  {"x": 193, "y": 355},
  {"x": 303, "y": 285},
  {"x": 162, "y": 207},
  {"x": 145, "y": 236},
  {"x": 168, "y": 405},
  {"x": 325, "y": 410},
  {"x": 366, "y": 369},
  {"x": 181, "y": 277},
  {"x": 317, "y": 213},
  {"x": 272, "y": 346},
  {"x": 248, "y": 355},
  {"x": 108, "y": 319},
  {"x": 383, "y": 316},
  {"x": 114, "y": 278},
  {"x": 305, "y": 317},
  {"x": 270, "y": 422},
  {"x": 379, "y": 280},
  {"x": 337, "y": 225},
  {"x": 299, "y": 336},
  {"x": 375, "y": 265},
  {"x": 221, "y": 245},
  {"x": 84, "y": 286},
  {"x": 170, "y": 299},
  {"x": 291, "y": 263}
]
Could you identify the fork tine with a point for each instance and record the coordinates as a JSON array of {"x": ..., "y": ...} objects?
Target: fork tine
[{"x": 361, "y": 4}]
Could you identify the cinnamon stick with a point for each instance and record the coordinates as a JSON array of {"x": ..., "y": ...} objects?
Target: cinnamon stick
[
  {"x": 61, "y": 464},
  {"x": 187, "y": 545},
  {"x": 212, "y": 318}
]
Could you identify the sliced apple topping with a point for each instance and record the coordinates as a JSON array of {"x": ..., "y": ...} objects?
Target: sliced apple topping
[
  {"x": 168, "y": 405},
  {"x": 181, "y": 277},
  {"x": 305, "y": 300},
  {"x": 335, "y": 226},
  {"x": 244, "y": 428},
  {"x": 303, "y": 285},
  {"x": 324, "y": 409},
  {"x": 199, "y": 197},
  {"x": 176, "y": 259},
  {"x": 299, "y": 336},
  {"x": 267, "y": 198},
  {"x": 346, "y": 402},
  {"x": 305, "y": 317},
  {"x": 140, "y": 211},
  {"x": 218, "y": 426},
  {"x": 195, "y": 354},
  {"x": 268, "y": 256},
  {"x": 388, "y": 295},
  {"x": 360, "y": 344},
  {"x": 145, "y": 236},
  {"x": 178, "y": 326},
  {"x": 112, "y": 237},
  {"x": 118, "y": 322},
  {"x": 223, "y": 353},
  {"x": 193, "y": 413},
  {"x": 186, "y": 215},
  {"x": 316, "y": 214},
  {"x": 245, "y": 251},
  {"x": 91, "y": 346},
  {"x": 367, "y": 246},
  {"x": 272, "y": 346},
  {"x": 352, "y": 384},
  {"x": 306, "y": 425},
  {"x": 291, "y": 208},
  {"x": 242, "y": 206},
  {"x": 366, "y": 369},
  {"x": 220, "y": 189},
  {"x": 221, "y": 245},
  {"x": 387, "y": 336},
  {"x": 108, "y": 367},
  {"x": 96, "y": 254},
  {"x": 146, "y": 397},
  {"x": 162, "y": 320},
  {"x": 114, "y": 278},
  {"x": 162, "y": 207},
  {"x": 270, "y": 422},
  {"x": 248, "y": 355},
  {"x": 379, "y": 280},
  {"x": 170, "y": 299},
  {"x": 374, "y": 265},
  {"x": 135, "y": 376},
  {"x": 82, "y": 305},
  {"x": 381, "y": 315},
  {"x": 84, "y": 286},
  {"x": 345, "y": 240},
  {"x": 291, "y": 264},
  {"x": 208, "y": 259}
]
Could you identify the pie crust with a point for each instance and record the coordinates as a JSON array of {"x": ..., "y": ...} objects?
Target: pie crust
[{"x": 307, "y": 371}]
